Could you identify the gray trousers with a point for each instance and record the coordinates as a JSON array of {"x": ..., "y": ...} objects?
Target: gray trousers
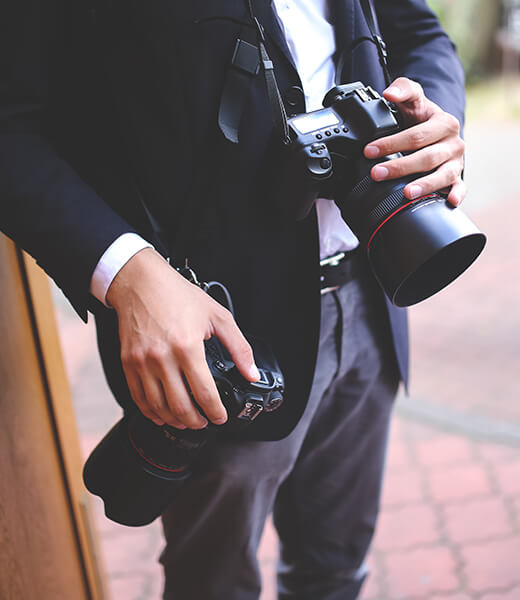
[{"x": 322, "y": 483}]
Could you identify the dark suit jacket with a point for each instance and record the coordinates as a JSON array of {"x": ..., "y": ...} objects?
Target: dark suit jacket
[{"x": 99, "y": 106}]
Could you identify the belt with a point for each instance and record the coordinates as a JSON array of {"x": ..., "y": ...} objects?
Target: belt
[{"x": 337, "y": 270}]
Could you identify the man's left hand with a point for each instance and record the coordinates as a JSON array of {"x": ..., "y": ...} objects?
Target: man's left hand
[{"x": 433, "y": 138}]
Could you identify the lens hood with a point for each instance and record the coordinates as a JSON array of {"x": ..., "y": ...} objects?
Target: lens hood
[
  {"x": 423, "y": 248},
  {"x": 134, "y": 492}
]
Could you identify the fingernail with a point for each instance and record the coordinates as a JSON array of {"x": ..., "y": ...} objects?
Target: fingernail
[
  {"x": 254, "y": 372},
  {"x": 371, "y": 151},
  {"x": 379, "y": 172},
  {"x": 455, "y": 201},
  {"x": 415, "y": 191},
  {"x": 203, "y": 424},
  {"x": 158, "y": 422},
  {"x": 220, "y": 421},
  {"x": 395, "y": 91}
]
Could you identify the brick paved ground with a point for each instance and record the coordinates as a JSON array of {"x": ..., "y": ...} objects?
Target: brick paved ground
[{"x": 450, "y": 522}]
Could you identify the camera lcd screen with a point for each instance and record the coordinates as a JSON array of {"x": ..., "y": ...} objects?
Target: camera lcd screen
[{"x": 315, "y": 120}]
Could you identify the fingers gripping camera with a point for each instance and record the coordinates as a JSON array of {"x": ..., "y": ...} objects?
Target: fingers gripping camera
[{"x": 138, "y": 467}]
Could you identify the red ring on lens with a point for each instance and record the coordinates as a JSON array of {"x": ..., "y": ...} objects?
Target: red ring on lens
[
  {"x": 415, "y": 201},
  {"x": 149, "y": 461}
]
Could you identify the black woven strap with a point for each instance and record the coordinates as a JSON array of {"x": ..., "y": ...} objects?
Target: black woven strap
[
  {"x": 371, "y": 19},
  {"x": 273, "y": 92}
]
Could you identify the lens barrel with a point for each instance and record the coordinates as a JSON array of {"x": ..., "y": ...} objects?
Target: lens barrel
[{"x": 415, "y": 247}]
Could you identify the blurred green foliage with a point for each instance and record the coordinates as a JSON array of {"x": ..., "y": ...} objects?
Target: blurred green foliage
[{"x": 472, "y": 25}]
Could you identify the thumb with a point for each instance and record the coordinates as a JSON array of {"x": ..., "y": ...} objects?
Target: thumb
[{"x": 410, "y": 98}]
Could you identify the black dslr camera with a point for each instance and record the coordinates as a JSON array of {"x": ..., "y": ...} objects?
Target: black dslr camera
[
  {"x": 416, "y": 247},
  {"x": 138, "y": 466}
]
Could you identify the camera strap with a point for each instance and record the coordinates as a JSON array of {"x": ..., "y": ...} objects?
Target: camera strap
[
  {"x": 273, "y": 92},
  {"x": 371, "y": 20},
  {"x": 250, "y": 56}
]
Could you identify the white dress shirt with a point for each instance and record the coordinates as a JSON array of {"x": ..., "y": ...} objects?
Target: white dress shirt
[{"x": 302, "y": 21}]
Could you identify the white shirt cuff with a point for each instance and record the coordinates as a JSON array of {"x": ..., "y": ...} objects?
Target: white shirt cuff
[{"x": 112, "y": 261}]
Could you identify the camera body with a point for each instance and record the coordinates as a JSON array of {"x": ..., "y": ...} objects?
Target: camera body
[
  {"x": 138, "y": 467},
  {"x": 326, "y": 143},
  {"x": 245, "y": 400},
  {"x": 415, "y": 247}
]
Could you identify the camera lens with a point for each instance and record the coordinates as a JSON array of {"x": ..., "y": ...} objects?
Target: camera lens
[
  {"x": 415, "y": 247},
  {"x": 134, "y": 490}
]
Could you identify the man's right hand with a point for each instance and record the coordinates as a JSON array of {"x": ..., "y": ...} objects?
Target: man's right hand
[{"x": 163, "y": 321}]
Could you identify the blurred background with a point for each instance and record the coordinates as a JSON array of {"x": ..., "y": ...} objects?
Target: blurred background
[{"x": 450, "y": 523}]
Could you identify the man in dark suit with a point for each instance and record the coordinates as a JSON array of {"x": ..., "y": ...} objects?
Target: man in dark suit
[{"x": 111, "y": 114}]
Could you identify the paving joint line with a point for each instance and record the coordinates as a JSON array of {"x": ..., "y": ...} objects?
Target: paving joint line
[
  {"x": 438, "y": 508},
  {"x": 512, "y": 513},
  {"x": 507, "y": 501},
  {"x": 495, "y": 590}
]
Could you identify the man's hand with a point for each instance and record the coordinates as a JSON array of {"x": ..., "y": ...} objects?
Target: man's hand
[
  {"x": 163, "y": 320},
  {"x": 433, "y": 137}
]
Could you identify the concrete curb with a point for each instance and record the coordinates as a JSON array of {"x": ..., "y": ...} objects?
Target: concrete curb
[{"x": 454, "y": 420}]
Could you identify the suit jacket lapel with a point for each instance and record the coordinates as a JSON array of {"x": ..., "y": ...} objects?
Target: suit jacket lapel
[
  {"x": 265, "y": 13},
  {"x": 343, "y": 19}
]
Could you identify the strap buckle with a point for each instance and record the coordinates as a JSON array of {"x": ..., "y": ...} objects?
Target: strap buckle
[{"x": 381, "y": 44}]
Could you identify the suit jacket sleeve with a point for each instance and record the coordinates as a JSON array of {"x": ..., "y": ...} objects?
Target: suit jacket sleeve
[
  {"x": 420, "y": 49},
  {"x": 45, "y": 206}
]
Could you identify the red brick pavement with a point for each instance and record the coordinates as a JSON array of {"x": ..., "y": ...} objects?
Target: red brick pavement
[
  {"x": 450, "y": 522},
  {"x": 454, "y": 546},
  {"x": 426, "y": 547}
]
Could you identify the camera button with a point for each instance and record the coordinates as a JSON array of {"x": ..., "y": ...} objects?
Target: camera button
[
  {"x": 274, "y": 402},
  {"x": 336, "y": 129},
  {"x": 319, "y": 136},
  {"x": 328, "y": 133},
  {"x": 325, "y": 163}
]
